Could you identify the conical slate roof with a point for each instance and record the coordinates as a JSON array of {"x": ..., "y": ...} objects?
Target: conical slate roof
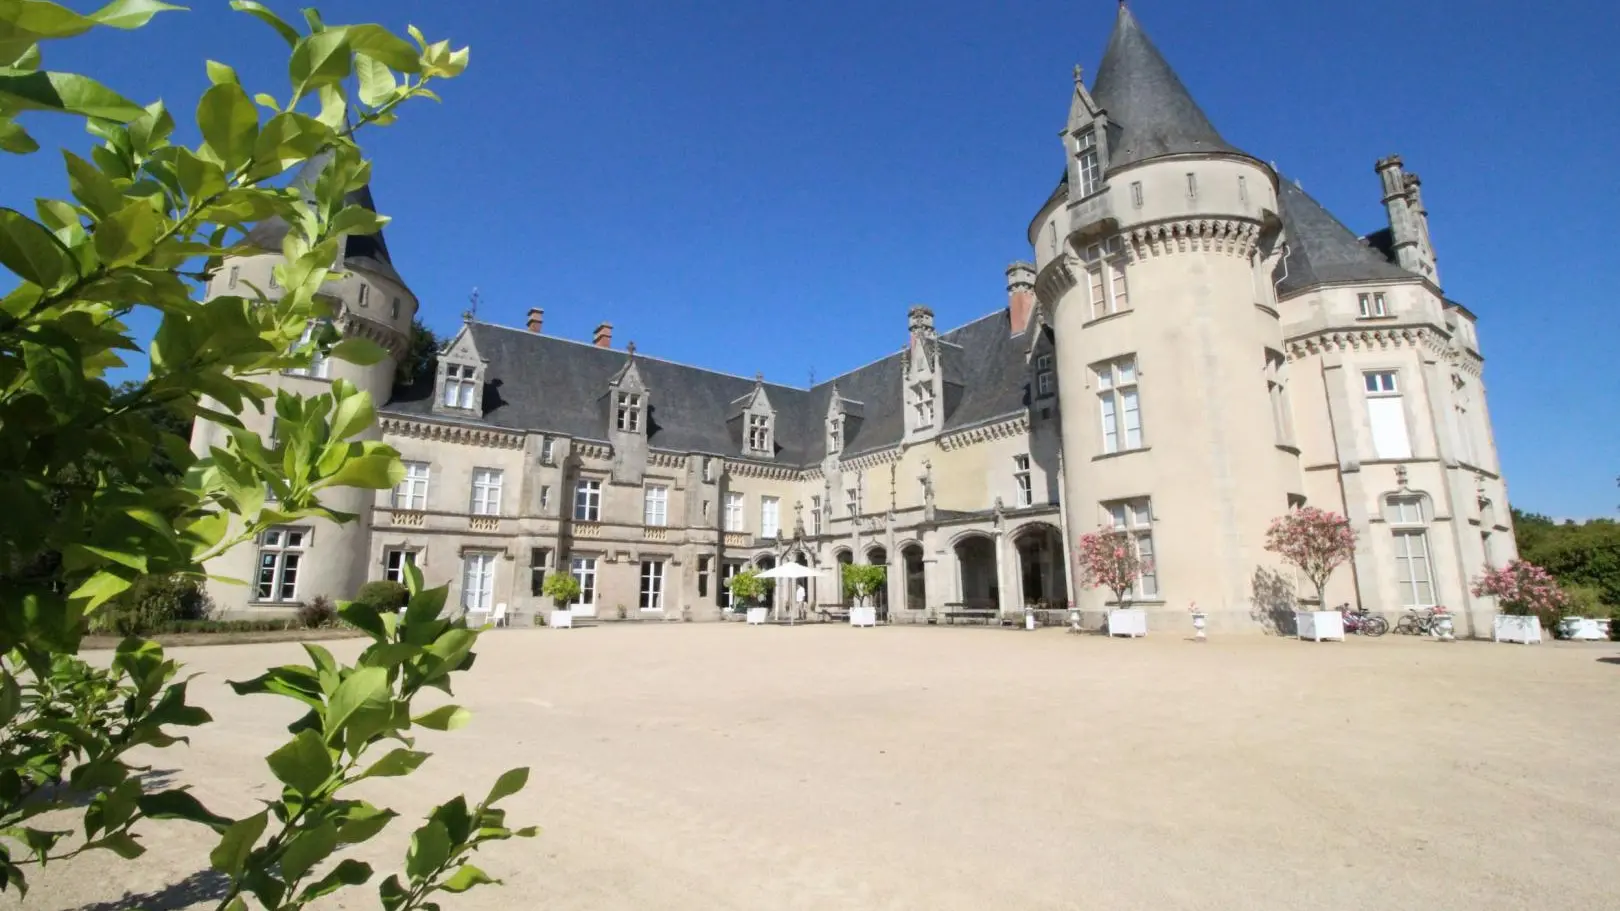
[
  {"x": 1322, "y": 250},
  {"x": 367, "y": 251},
  {"x": 1144, "y": 98}
]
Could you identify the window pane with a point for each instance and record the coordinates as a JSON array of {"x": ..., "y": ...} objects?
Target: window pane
[
  {"x": 267, "y": 576},
  {"x": 289, "y": 576},
  {"x": 1387, "y": 418},
  {"x": 1116, "y": 513},
  {"x": 1110, "y": 424},
  {"x": 1127, "y": 371},
  {"x": 1133, "y": 420}
]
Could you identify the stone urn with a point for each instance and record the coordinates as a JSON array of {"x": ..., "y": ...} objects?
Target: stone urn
[
  {"x": 1443, "y": 628},
  {"x": 1200, "y": 620}
]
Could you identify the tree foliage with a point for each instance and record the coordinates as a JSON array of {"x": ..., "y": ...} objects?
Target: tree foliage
[
  {"x": 747, "y": 587},
  {"x": 1524, "y": 589},
  {"x": 1314, "y": 540},
  {"x": 100, "y": 488},
  {"x": 421, "y": 354},
  {"x": 562, "y": 588},
  {"x": 1576, "y": 553},
  {"x": 862, "y": 581},
  {"x": 1109, "y": 559}
]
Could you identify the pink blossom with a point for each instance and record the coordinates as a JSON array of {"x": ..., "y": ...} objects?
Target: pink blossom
[
  {"x": 1108, "y": 559},
  {"x": 1315, "y": 540},
  {"x": 1523, "y": 589}
]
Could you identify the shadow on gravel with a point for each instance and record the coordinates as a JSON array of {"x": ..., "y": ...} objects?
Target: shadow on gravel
[
  {"x": 203, "y": 886},
  {"x": 1614, "y": 659}
]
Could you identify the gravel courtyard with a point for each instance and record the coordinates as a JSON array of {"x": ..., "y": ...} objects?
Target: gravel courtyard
[{"x": 713, "y": 766}]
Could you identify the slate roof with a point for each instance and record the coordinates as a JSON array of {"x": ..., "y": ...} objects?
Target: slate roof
[
  {"x": 1322, "y": 250},
  {"x": 1153, "y": 112},
  {"x": 554, "y": 385}
]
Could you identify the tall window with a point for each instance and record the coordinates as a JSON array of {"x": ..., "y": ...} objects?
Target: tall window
[
  {"x": 1085, "y": 148},
  {"x": 365, "y": 295},
  {"x": 759, "y": 433},
  {"x": 281, "y": 551},
  {"x": 852, "y": 501},
  {"x": 319, "y": 367},
  {"x": 770, "y": 517},
  {"x": 1026, "y": 491},
  {"x": 922, "y": 403},
  {"x": 486, "y": 492},
  {"x": 704, "y": 568},
  {"x": 394, "y": 563},
  {"x": 1045, "y": 378},
  {"x": 1105, "y": 271},
  {"x": 1373, "y": 305},
  {"x": 815, "y": 515},
  {"x": 835, "y": 435},
  {"x": 478, "y": 581},
  {"x": 236, "y": 273},
  {"x": 652, "y": 584},
  {"x": 1282, "y": 418},
  {"x": 548, "y": 450},
  {"x": 583, "y": 570},
  {"x": 539, "y": 562},
  {"x": 545, "y": 497},
  {"x": 1409, "y": 524},
  {"x": 734, "y": 512},
  {"x": 1135, "y": 519},
  {"x": 588, "y": 501},
  {"x": 412, "y": 490},
  {"x": 458, "y": 385},
  {"x": 393, "y": 309},
  {"x": 655, "y": 509},
  {"x": 1120, "y": 406},
  {"x": 722, "y": 592},
  {"x": 629, "y": 412},
  {"x": 1387, "y": 415},
  {"x": 708, "y": 468}
]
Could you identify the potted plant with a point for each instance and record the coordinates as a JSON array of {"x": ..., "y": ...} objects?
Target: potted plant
[
  {"x": 748, "y": 589},
  {"x": 1442, "y": 627},
  {"x": 861, "y": 582},
  {"x": 1528, "y": 598},
  {"x": 562, "y": 589},
  {"x": 1108, "y": 559},
  {"x": 1199, "y": 621},
  {"x": 1317, "y": 542}
]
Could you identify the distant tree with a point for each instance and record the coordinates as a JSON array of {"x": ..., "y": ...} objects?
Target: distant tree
[
  {"x": 747, "y": 587},
  {"x": 420, "y": 356},
  {"x": 1575, "y": 553}
]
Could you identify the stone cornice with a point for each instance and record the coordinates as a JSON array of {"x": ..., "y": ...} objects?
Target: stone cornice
[
  {"x": 1369, "y": 337},
  {"x": 461, "y": 434},
  {"x": 353, "y": 325},
  {"x": 761, "y": 470},
  {"x": 1057, "y": 277},
  {"x": 1018, "y": 425},
  {"x": 656, "y": 459},
  {"x": 871, "y": 460},
  {"x": 1236, "y": 237},
  {"x": 593, "y": 450}
]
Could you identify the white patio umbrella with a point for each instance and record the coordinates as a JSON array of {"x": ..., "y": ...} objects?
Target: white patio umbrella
[{"x": 790, "y": 571}]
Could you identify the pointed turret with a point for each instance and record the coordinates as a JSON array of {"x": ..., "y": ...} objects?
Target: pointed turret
[
  {"x": 1150, "y": 113},
  {"x": 368, "y": 251}
]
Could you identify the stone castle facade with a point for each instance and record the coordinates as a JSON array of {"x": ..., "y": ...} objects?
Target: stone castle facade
[{"x": 1196, "y": 347}]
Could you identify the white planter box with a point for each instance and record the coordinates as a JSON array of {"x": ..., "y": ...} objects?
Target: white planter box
[
  {"x": 756, "y": 615},
  {"x": 1584, "y": 629},
  {"x": 863, "y": 616},
  {"x": 1317, "y": 625},
  {"x": 561, "y": 619},
  {"x": 1129, "y": 621},
  {"x": 1517, "y": 629}
]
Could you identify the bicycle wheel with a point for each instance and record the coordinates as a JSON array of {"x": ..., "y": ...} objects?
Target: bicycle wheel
[
  {"x": 1375, "y": 626},
  {"x": 1406, "y": 626}
]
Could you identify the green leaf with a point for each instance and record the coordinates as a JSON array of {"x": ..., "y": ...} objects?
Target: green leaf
[
  {"x": 363, "y": 821},
  {"x": 307, "y": 850},
  {"x": 377, "y": 82},
  {"x": 430, "y": 847},
  {"x": 373, "y": 472},
  {"x": 303, "y": 763},
  {"x": 31, "y": 251},
  {"x": 268, "y": 101},
  {"x": 237, "y": 843},
  {"x": 229, "y": 123},
  {"x": 91, "y": 187},
  {"x": 398, "y": 762},
  {"x": 128, "y": 14},
  {"x": 199, "y": 177},
  {"x": 180, "y": 804},
  {"x": 321, "y": 658},
  {"x": 354, "y": 414},
  {"x": 320, "y": 59},
  {"x": 15, "y": 139},
  {"x": 510, "y": 782},
  {"x": 99, "y": 589},
  {"x": 219, "y": 73},
  {"x": 121, "y": 843},
  {"x": 128, "y": 235},
  {"x": 361, "y": 351},
  {"x": 347, "y": 873},
  {"x": 444, "y": 718},
  {"x": 365, "y": 690},
  {"x": 262, "y": 13},
  {"x": 373, "y": 42},
  {"x": 364, "y": 618},
  {"x": 67, "y": 93},
  {"x": 465, "y": 877}
]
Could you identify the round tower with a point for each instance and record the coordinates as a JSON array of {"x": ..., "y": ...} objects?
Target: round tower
[
  {"x": 368, "y": 298},
  {"x": 1154, "y": 260}
]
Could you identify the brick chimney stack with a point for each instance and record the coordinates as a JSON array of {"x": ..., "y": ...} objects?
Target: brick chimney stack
[
  {"x": 604, "y": 336},
  {"x": 535, "y": 316},
  {"x": 1020, "y": 295}
]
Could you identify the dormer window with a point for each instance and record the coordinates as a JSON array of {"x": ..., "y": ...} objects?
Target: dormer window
[
  {"x": 1090, "y": 165},
  {"x": 835, "y": 434},
  {"x": 629, "y": 412},
  {"x": 1045, "y": 379},
  {"x": 759, "y": 433},
  {"x": 459, "y": 385},
  {"x": 922, "y": 403}
]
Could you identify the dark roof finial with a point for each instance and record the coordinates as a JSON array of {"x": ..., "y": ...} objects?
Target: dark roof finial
[
  {"x": 630, "y": 350},
  {"x": 1079, "y": 74}
]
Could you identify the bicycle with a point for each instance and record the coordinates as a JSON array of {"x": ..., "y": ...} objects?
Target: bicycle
[
  {"x": 1362, "y": 621},
  {"x": 1416, "y": 622}
]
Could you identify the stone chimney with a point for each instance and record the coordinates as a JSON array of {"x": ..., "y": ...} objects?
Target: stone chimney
[
  {"x": 535, "y": 316},
  {"x": 1020, "y": 295},
  {"x": 604, "y": 335},
  {"x": 1408, "y": 223},
  {"x": 921, "y": 320}
]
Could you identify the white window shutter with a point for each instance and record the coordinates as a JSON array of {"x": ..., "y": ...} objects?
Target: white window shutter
[{"x": 1388, "y": 420}]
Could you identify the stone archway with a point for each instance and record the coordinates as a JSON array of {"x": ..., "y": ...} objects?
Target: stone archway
[
  {"x": 976, "y": 585},
  {"x": 841, "y": 559},
  {"x": 1043, "y": 579},
  {"x": 877, "y": 555},
  {"x": 911, "y": 560}
]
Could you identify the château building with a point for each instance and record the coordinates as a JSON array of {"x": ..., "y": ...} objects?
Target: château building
[{"x": 1196, "y": 347}]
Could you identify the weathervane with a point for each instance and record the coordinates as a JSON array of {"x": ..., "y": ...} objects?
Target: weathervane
[{"x": 472, "y": 306}]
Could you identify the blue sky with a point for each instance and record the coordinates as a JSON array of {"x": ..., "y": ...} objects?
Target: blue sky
[{"x": 767, "y": 185}]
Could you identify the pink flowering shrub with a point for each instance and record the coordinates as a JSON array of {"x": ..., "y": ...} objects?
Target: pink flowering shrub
[
  {"x": 1108, "y": 559},
  {"x": 1315, "y": 540},
  {"x": 1524, "y": 589}
]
